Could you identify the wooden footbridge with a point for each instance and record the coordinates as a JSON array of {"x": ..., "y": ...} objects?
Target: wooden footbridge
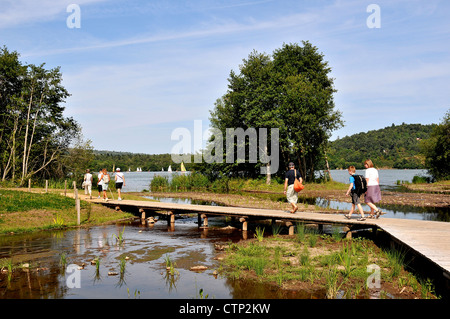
[{"x": 429, "y": 239}]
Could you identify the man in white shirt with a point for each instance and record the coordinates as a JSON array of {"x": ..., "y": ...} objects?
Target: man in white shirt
[
  {"x": 120, "y": 181},
  {"x": 88, "y": 179}
]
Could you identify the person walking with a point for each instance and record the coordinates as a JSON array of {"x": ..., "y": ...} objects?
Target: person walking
[
  {"x": 291, "y": 194},
  {"x": 120, "y": 181},
  {"x": 99, "y": 184},
  {"x": 354, "y": 193},
  {"x": 373, "y": 194},
  {"x": 88, "y": 179},
  {"x": 104, "y": 180}
]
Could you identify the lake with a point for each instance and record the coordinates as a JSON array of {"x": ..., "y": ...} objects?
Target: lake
[{"x": 138, "y": 181}]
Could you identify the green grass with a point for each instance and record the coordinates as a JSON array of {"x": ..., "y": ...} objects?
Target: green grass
[
  {"x": 21, "y": 211},
  {"x": 334, "y": 265}
]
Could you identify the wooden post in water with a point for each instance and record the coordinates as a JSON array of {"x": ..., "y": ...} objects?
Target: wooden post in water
[
  {"x": 46, "y": 185},
  {"x": 29, "y": 185},
  {"x": 205, "y": 220},
  {"x": 77, "y": 205}
]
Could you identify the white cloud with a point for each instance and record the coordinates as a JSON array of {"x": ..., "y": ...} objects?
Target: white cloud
[{"x": 19, "y": 12}]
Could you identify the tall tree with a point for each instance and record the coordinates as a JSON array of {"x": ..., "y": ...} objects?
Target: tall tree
[
  {"x": 437, "y": 150},
  {"x": 290, "y": 91},
  {"x": 33, "y": 129}
]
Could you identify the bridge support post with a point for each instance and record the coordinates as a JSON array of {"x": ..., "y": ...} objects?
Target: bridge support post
[
  {"x": 205, "y": 220},
  {"x": 243, "y": 220},
  {"x": 142, "y": 211},
  {"x": 291, "y": 228},
  {"x": 170, "y": 219}
]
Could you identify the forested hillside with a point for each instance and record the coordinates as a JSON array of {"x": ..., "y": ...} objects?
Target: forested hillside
[
  {"x": 125, "y": 160},
  {"x": 395, "y": 146}
]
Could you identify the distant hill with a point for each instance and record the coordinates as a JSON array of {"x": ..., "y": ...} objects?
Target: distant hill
[
  {"x": 395, "y": 146},
  {"x": 126, "y": 160}
]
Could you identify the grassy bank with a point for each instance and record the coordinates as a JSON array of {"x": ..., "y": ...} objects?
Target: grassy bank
[
  {"x": 23, "y": 212},
  {"x": 329, "y": 266},
  {"x": 441, "y": 187}
]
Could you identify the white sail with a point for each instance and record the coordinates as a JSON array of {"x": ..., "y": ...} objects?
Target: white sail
[{"x": 169, "y": 169}]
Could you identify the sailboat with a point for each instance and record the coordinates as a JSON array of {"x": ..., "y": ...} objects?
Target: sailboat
[
  {"x": 169, "y": 169},
  {"x": 183, "y": 169}
]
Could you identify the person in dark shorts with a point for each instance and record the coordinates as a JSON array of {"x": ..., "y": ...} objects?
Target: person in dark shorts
[
  {"x": 120, "y": 181},
  {"x": 355, "y": 196},
  {"x": 99, "y": 184}
]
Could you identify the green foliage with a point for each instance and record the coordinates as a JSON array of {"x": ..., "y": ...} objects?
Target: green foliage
[
  {"x": 34, "y": 134},
  {"x": 290, "y": 90},
  {"x": 396, "y": 146},
  {"x": 159, "y": 182},
  {"x": 437, "y": 150}
]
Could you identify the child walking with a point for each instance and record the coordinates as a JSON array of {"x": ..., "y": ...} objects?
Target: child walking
[{"x": 354, "y": 194}]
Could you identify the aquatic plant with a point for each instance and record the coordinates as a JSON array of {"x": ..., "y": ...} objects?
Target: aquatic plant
[
  {"x": 63, "y": 259},
  {"x": 332, "y": 284},
  {"x": 276, "y": 229},
  {"x": 170, "y": 266},
  {"x": 300, "y": 236},
  {"x": 396, "y": 260},
  {"x": 304, "y": 257},
  {"x": 202, "y": 295},
  {"x": 122, "y": 265},
  {"x": 312, "y": 239},
  {"x": 58, "y": 221},
  {"x": 346, "y": 259},
  {"x": 259, "y": 233},
  {"x": 119, "y": 237}
]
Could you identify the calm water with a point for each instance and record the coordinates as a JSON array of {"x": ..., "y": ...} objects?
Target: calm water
[
  {"x": 138, "y": 181},
  {"x": 145, "y": 276}
]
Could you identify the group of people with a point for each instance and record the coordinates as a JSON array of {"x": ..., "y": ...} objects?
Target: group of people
[
  {"x": 103, "y": 183},
  {"x": 371, "y": 197}
]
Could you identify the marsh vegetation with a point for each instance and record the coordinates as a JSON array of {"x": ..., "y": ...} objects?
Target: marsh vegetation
[{"x": 327, "y": 265}]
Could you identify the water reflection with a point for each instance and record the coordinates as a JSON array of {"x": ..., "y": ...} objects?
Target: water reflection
[{"x": 144, "y": 275}]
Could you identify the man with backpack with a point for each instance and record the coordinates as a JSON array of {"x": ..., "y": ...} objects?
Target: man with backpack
[{"x": 357, "y": 187}]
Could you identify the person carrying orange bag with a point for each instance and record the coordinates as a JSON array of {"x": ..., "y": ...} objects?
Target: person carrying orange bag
[{"x": 292, "y": 176}]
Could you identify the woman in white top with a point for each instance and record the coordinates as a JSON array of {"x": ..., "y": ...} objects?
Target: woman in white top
[{"x": 373, "y": 194}]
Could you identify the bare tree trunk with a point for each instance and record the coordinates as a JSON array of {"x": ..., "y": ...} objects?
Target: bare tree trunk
[{"x": 24, "y": 162}]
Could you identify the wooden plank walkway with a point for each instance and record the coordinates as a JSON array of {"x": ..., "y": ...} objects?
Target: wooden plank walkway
[{"x": 431, "y": 239}]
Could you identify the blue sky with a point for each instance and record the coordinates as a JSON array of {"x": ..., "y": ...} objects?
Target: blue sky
[{"x": 137, "y": 70}]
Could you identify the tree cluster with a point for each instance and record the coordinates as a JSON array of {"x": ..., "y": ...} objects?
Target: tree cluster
[
  {"x": 290, "y": 90},
  {"x": 34, "y": 134},
  {"x": 437, "y": 150}
]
